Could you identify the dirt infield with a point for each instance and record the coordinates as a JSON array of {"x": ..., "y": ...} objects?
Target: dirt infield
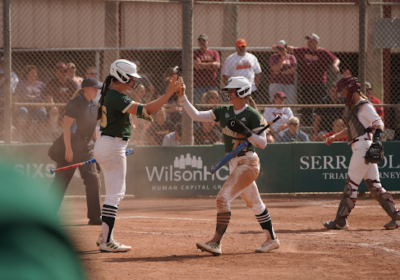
[{"x": 163, "y": 233}]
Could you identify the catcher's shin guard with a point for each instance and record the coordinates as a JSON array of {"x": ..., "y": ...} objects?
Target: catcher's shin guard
[
  {"x": 384, "y": 198},
  {"x": 346, "y": 204}
]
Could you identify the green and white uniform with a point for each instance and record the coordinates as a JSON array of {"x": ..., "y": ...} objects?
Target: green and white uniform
[
  {"x": 251, "y": 119},
  {"x": 115, "y": 120}
]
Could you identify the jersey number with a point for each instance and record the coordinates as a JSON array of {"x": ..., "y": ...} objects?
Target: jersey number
[
  {"x": 103, "y": 120},
  {"x": 236, "y": 143}
]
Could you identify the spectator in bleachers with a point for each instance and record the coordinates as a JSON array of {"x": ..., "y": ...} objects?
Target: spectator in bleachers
[
  {"x": 210, "y": 97},
  {"x": 30, "y": 90},
  {"x": 173, "y": 138},
  {"x": 159, "y": 127},
  {"x": 72, "y": 74},
  {"x": 207, "y": 133},
  {"x": 283, "y": 71},
  {"x": 314, "y": 62},
  {"x": 14, "y": 77},
  {"x": 138, "y": 125},
  {"x": 58, "y": 90},
  {"x": 91, "y": 72},
  {"x": 323, "y": 116},
  {"x": 243, "y": 64},
  {"x": 206, "y": 64},
  {"x": 337, "y": 126},
  {"x": 271, "y": 113},
  {"x": 292, "y": 133},
  {"x": 145, "y": 81},
  {"x": 374, "y": 100}
]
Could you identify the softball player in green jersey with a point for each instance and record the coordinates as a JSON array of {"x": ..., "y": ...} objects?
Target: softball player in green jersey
[
  {"x": 239, "y": 123},
  {"x": 114, "y": 113}
]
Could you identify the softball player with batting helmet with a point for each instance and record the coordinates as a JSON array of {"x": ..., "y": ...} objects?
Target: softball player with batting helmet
[
  {"x": 239, "y": 122},
  {"x": 114, "y": 113},
  {"x": 361, "y": 119}
]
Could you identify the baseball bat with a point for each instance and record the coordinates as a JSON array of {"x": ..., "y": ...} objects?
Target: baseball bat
[
  {"x": 238, "y": 149},
  {"x": 52, "y": 171}
]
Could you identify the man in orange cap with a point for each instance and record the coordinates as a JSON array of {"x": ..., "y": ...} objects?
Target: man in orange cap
[{"x": 243, "y": 64}]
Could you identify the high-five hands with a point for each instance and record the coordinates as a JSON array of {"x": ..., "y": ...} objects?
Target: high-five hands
[{"x": 180, "y": 89}]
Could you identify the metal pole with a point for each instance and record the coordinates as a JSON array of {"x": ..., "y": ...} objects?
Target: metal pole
[
  {"x": 7, "y": 71},
  {"x": 362, "y": 70},
  {"x": 187, "y": 67},
  {"x": 97, "y": 65}
]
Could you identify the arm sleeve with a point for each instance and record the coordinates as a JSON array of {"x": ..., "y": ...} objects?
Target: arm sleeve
[
  {"x": 260, "y": 141},
  {"x": 196, "y": 115}
]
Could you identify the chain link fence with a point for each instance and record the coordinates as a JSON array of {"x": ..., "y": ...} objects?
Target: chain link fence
[{"x": 295, "y": 49}]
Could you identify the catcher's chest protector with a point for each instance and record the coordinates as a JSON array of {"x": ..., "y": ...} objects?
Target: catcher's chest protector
[{"x": 354, "y": 126}]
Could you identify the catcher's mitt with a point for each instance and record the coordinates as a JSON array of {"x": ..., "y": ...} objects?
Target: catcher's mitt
[{"x": 375, "y": 153}]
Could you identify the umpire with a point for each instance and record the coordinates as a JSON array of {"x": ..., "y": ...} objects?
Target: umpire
[{"x": 77, "y": 146}]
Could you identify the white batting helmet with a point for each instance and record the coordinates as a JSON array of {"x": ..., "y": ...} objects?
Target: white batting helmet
[
  {"x": 123, "y": 69},
  {"x": 241, "y": 84}
]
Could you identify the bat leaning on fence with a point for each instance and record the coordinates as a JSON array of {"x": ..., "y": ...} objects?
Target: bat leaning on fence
[
  {"x": 238, "y": 149},
  {"x": 52, "y": 171}
]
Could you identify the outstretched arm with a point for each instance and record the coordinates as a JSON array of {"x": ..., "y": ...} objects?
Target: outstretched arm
[{"x": 196, "y": 115}]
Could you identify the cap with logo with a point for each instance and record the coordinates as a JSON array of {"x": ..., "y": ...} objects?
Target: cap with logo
[
  {"x": 203, "y": 36},
  {"x": 279, "y": 94},
  {"x": 314, "y": 37},
  {"x": 241, "y": 42},
  {"x": 282, "y": 44}
]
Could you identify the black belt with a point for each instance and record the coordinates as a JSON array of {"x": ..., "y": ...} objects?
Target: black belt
[
  {"x": 85, "y": 139},
  {"x": 123, "y": 138}
]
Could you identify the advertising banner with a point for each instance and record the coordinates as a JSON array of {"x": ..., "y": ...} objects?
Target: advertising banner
[{"x": 183, "y": 171}]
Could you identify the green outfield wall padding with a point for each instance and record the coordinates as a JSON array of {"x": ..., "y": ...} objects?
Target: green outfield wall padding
[{"x": 183, "y": 171}]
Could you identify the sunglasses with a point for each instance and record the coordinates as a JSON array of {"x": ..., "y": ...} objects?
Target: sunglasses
[
  {"x": 201, "y": 40},
  {"x": 92, "y": 74},
  {"x": 368, "y": 89},
  {"x": 294, "y": 124}
]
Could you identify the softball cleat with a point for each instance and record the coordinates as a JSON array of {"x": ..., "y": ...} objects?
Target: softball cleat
[
  {"x": 99, "y": 240},
  {"x": 268, "y": 245},
  {"x": 114, "y": 247},
  {"x": 333, "y": 225},
  {"x": 211, "y": 247},
  {"x": 392, "y": 225}
]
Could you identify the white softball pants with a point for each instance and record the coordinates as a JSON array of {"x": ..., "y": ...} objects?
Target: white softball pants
[
  {"x": 244, "y": 171},
  {"x": 358, "y": 170},
  {"x": 109, "y": 152}
]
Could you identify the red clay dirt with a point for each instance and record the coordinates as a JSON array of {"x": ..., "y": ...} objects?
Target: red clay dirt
[{"x": 163, "y": 233}]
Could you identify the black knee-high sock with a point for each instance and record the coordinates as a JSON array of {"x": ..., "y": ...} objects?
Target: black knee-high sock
[
  {"x": 222, "y": 224},
  {"x": 265, "y": 222},
  {"x": 108, "y": 215}
]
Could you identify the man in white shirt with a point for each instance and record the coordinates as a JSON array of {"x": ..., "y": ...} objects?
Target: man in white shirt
[
  {"x": 271, "y": 113},
  {"x": 174, "y": 138},
  {"x": 243, "y": 64}
]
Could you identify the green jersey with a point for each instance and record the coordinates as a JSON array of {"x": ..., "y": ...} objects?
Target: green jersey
[
  {"x": 251, "y": 119},
  {"x": 115, "y": 120}
]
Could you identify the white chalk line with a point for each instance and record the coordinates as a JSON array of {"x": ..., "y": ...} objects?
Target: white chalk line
[{"x": 371, "y": 246}]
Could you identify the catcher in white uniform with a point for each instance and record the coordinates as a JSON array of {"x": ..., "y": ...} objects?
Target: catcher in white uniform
[
  {"x": 367, "y": 153},
  {"x": 239, "y": 122}
]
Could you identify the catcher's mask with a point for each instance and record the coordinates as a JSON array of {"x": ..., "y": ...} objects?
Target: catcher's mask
[
  {"x": 242, "y": 86},
  {"x": 352, "y": 85},
  {"x": 125, "y": 71}
]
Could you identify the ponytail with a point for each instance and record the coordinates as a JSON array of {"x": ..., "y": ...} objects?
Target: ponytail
[
  {"x": 78, "y": 92},
  {"x": 106, "y": 86},
  {"x": 250, "y": 101}
]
